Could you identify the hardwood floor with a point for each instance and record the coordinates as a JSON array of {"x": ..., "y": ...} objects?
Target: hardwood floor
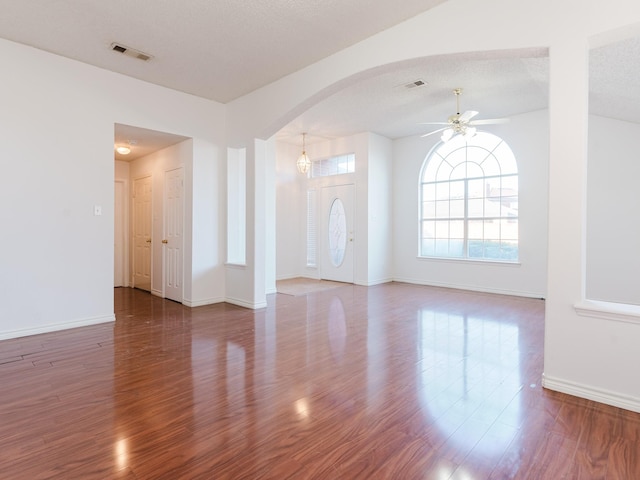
[{"x": 389, "y": 382}]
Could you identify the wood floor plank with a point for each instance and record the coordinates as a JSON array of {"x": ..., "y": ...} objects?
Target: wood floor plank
[{"x": 394, "y": 381}]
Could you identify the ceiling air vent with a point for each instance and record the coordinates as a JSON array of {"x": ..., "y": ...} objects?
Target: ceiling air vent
[
  {"x": 416, "y": 83},
  {"x": 131, "y": 52}
]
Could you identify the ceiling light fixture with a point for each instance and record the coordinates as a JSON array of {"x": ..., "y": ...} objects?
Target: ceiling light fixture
[
  {"x": 122, "y": 150},
  {"x": 303, "y": 162}
]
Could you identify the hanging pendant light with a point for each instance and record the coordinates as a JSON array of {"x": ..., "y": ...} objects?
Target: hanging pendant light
[{"x": 303, "y": 162}]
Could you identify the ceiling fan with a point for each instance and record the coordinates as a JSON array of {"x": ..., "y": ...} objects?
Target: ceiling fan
[{"x": 461, "y": 123}]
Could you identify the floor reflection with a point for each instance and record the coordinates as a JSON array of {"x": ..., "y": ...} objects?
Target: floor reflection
[
  {"x": 469, "y": 373},
  {"x": 337, "y": 328}
]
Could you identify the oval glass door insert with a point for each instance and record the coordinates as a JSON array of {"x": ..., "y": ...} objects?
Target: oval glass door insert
[{"x": 337, "y": 232}]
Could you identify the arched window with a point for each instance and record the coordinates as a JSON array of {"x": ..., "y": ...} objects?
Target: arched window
[{"x": 469, "y": 200}]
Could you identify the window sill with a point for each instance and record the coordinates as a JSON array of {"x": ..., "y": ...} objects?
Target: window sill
[
  {"x": 237, "y": 266},
  {"x": 620, "y": 312},
  {"x": 470, "y": 261}
]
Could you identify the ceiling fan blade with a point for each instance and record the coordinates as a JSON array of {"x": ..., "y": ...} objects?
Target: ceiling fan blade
[
  {"x": 433, "y": 123},
  {"x": 435, "y": 131},
  {"x": 489, "y": 121},
  {"x": 466, "y": 116}
]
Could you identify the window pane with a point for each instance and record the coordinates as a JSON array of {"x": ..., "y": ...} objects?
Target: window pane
[
  {"x": 428, "y": 209},
  {"x": 456, "y": 248},
  {"x": 333, "y": 166},
  {"x": 442, "y": 209},
  {"x": 492, "y": 250},
  {"x": 343, "y": 164},
  {"x": 456, "y": 229},
  {"x": 428, "y": 229},
  {"x": 509, "y": 251},
  {"x": 476, "y": 230},
  {"x": 476, "y": 208},
  {"x": 442, "y": 230},
  {"x": 474, "y": 170},
  {"x": 510, "y": 185},
  {"x": 457, "y": 189},
  {"x": 457, "y": 157},
  {"x": 476, "y": 248},
  {"x": 491, "y": 230},
  {"x": 444, "y": 172},
  {"x": 428, "y": 247},
  {"x": 428, "y": 191},
  {"x": 460, "y": 171},
  {"x": 509, "y": 230},
  {"x": 337, "y": 233},
  {"x": 509, "y": 206},
  {"x": 457, "y": 208},
  {"x": 476, "y": 188},
  {"x": 431, "y": 171},
  {"x": 442, "y": 247},
  {"x": 442, "y": 191},
  {"x": 491, "y": 166}
]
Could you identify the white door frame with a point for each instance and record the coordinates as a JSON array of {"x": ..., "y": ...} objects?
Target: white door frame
[{"x": 121, "y": 220}]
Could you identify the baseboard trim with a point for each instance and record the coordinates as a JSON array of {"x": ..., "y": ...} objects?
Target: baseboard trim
[
  {"x": 157, "y": 293},
  {"x": 202, "y": 303},
  {"x": 85, "y": 322},
  {"x": 471, "y": 288},
  {"x": 376, "y": 282},
  {"x": 592, "y": 393},
  {"x": 245, "y": 304}
]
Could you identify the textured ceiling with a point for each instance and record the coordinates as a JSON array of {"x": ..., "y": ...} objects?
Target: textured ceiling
[
  {"x": 496, "y": 85},
  {"x": 216, "y": 49},
  {"x": 614, "y": 89},
  {"x": 222, "y": 49}
]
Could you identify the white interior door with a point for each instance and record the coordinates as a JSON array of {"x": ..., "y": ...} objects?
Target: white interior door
[
  {"x": 172, "y": 243},
  {"x": 337, "y": 233},
  {"x": 142, "y": 233}
]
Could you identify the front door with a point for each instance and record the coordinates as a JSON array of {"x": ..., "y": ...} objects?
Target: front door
[
  {"x": 173, "y": 231},
  {"x": 142, "y": 233},
  {"x": 337, "y": 233}
]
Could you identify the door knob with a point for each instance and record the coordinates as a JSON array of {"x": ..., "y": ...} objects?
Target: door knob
[{"x": 165, "y": 241}]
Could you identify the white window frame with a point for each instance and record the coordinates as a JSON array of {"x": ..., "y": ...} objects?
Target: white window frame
[{"x": 449, "y": 224}]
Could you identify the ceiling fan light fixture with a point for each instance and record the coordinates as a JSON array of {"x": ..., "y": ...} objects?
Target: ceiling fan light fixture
[
  {"x": 122, "y": 150},
  {"x": 447, "y": 135}
]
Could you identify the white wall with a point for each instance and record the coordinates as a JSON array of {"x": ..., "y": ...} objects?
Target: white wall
[
  {"x": 56, "y": 121},
  {"x": 528, "y": 137},
  {"x": 291, "y": 202},
  {"x": 613, "y": 226},
  {"x": 379, "y": 207}
]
